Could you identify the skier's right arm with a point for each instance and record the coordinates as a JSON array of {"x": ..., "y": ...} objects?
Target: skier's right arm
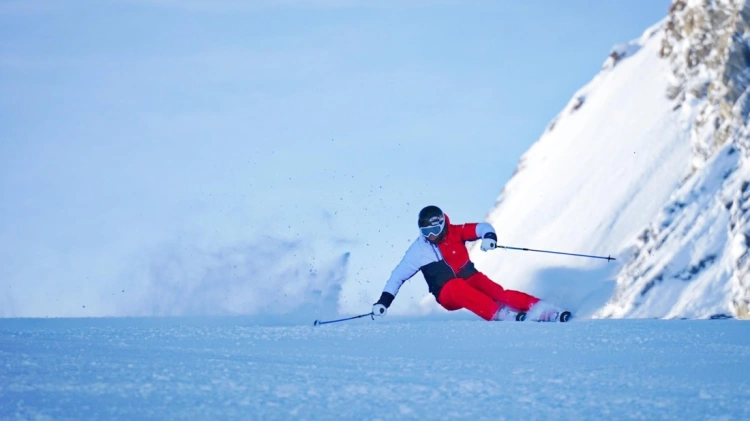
[{"x": 407, "y": 268}]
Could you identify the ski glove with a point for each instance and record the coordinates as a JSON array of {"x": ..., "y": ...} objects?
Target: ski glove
[
  {"x": 379, "y": 310},
  {"x": 489, "y": 242},
  {"x": 381, "y": 307}
]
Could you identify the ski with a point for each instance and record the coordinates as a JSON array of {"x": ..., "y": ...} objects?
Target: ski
[{"x": 562, "y": 317}]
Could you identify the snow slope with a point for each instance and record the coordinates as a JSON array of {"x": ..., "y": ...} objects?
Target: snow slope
[
  {"x": 692, "y": 260},
  {"x": 233, "y": 368},
  {"x": 649, "y": 162},
  {"x": 603, "y": 168},
  {"x": 684, "y": 266}
]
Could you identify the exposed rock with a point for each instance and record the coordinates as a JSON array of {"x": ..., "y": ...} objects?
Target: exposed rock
[{"x": 708, "y": 46}]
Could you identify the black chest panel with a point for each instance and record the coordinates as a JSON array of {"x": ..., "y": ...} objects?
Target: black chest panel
[{"x": 438, "y": 273}]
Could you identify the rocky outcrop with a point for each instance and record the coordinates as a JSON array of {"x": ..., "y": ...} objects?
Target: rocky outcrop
[{"x": 702, "y": 236}]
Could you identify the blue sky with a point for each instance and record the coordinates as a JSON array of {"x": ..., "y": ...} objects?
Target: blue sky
[{"x": 133, "y": 126}]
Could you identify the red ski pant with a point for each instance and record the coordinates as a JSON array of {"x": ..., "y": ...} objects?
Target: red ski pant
[{"x": 482, "y": 296}]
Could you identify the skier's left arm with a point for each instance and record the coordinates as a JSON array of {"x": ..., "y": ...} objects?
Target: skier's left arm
[
  {"x": 407, "y": 268},
  {"x": 481, "y": 230}
]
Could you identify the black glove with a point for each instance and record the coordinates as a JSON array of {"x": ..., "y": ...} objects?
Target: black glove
[{"x": 381, "y": 307}]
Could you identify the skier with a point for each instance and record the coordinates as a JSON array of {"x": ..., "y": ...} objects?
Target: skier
[{"x": 439, "y": 252}]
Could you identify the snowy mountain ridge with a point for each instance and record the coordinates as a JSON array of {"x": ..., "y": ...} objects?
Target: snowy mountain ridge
[
  {"x": 648, "y": 162},
  {"x": 699, "y": 242}
]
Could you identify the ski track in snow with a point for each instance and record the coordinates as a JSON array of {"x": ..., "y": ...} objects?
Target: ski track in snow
[{"x": 233, "y": 368}]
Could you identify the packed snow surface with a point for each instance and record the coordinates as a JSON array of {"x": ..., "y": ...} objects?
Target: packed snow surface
[{"x": 439, "y": 367}]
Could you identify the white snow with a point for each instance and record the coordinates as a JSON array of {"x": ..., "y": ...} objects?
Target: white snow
[
  {"x": 692, "y": 266},
  {"x": 598, "y": 176},
  {"x": 234, "y": 368}
]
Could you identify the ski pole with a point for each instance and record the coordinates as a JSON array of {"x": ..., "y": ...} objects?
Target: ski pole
[
  {"x": 608, "y": 258},
  {"x": 318, "y": 322}
]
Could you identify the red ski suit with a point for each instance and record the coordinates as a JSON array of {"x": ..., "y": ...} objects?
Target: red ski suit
[{"x": 451, "y": 275}]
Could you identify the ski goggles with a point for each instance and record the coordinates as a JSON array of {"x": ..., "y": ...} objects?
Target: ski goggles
[{"x": 432, "y": 229}]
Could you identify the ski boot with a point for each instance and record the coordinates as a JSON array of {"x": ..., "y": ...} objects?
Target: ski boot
[
  {"x": 546, "y": 312},
  {"x": 505, "y": 313}
]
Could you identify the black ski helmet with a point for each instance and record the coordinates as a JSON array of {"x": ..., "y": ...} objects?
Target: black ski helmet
[{"x": 432, "y": 218}]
